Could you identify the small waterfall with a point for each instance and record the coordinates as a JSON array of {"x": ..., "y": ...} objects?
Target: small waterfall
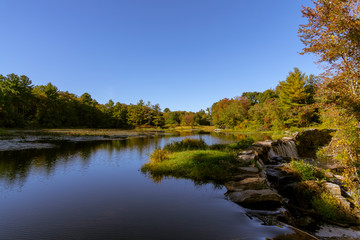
[{"x": 283, "y": 148}]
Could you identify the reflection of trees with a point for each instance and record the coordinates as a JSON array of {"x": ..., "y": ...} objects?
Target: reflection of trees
[{"x": 16, "y": 165}]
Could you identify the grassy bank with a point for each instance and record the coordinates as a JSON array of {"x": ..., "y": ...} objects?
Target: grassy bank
[
  {"x": 196, "y": 160},
  {"x": 199, "y": 165}
]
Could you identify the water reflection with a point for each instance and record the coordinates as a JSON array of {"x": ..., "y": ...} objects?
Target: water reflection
[
  {"x": 15, "y": 166},
  {"x": 94, "y": 190}
]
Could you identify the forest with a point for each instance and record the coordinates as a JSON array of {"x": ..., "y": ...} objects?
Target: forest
[{"x": 292, "y": 103}]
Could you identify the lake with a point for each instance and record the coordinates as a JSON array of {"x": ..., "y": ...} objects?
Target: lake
[{"x": 95, "y": 190}]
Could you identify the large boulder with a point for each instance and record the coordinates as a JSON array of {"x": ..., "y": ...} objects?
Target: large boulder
[
  {"x": 247, "y": 184},
  {"x": 257, "y": 199}
]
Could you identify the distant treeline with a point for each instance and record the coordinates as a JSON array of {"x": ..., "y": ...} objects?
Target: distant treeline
[
  {"x": 292, "y": 103},
  {"x": 25, "y": 105}
]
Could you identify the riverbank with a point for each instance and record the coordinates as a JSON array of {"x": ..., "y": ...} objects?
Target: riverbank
[
  {"x": 269, "y": 178},
  {"x": 19, "y": 139}
]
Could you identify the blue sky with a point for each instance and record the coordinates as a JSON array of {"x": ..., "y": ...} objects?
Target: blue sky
[{"x": 182, "y": 54}]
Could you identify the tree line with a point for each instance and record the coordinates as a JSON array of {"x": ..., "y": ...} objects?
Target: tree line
[
  {"x": 291, "y": 103},
  {"x": 24, "y": 105}
]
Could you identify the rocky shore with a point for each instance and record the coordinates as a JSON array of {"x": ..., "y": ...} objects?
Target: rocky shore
[{"x": 277, "y": 194}]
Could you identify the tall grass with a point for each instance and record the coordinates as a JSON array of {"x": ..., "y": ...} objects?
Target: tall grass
[
  {"x": 186, "y": 144},
  {"x": 159, "y": 155}
]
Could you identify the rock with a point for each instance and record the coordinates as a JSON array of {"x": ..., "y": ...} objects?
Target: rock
[
  {"x": 300, "y": 194},
  {"x": 257, "y": 199},
  {"x": 247, "y": 158},
  {"x": 287, "y": 139},
  {"x": 339, "y": 177},
  {"x": 282, "y": 176},
  {"x": 247, "y": 152},
  {"x": 329, "y": 174},
  {"x": 260, "y": 163},
  {"x": 305, "y": 222},
  {"x": 244, "y": 176},
  {"x": 311, "y": 186},
  {"x": 332, "y": 188},
  {"x": 266, "y": 143},
  {"x": 248, "y": 169},
  {"x": 344, "y": 203},
  {"x": 247, "y": 184}
]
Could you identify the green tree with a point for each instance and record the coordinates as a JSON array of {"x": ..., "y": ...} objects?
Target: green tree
[{"x": 292, "y": 91}]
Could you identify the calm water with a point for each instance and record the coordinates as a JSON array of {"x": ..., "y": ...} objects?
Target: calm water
[{"x": 96, "y": 191}]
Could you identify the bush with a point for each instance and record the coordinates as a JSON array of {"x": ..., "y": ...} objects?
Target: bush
[
  {"x": 306, "y": 170},
  {"x": 186, "y": 144},
  {"x": 158, "y": 155}
]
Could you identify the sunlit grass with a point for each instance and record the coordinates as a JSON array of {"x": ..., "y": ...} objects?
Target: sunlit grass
[{"x": 200, "y": 165}]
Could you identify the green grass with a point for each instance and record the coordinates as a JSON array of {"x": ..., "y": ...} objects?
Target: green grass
[
  {"x": 194, "y": 159},
  {"x": 186, "y": 144},
  {"x": 242, "y": 144},
  {"x": 199, "y": 165},
  {"x": 307, "y": 171}
]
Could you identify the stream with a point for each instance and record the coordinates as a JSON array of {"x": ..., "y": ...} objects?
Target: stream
[{"x": 95, "y": 190}]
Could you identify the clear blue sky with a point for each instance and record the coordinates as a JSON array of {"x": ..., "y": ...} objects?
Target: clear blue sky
[{"x": 182, "y": 54}]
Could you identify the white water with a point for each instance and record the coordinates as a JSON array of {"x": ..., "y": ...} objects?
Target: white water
[{"x": 283, "y": 149}]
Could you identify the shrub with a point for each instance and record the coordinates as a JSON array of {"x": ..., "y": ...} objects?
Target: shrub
[
  {"x": 306, "y": 170},
  {"x": 158, "y": 155}
]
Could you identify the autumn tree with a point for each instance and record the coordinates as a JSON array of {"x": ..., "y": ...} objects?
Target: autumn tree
[
  {"x": 228, "y": 113},
  {"x": 333, "y": 35}
]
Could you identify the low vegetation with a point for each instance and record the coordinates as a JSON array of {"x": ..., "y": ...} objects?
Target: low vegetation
[
  {"x": 194, "y": 159},
  {"x": 328, "y": 206},
  {"x": 306, "y": 170}
]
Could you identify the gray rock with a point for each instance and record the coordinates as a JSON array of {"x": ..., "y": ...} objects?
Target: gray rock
[
  {"x": 259, "y": 199},
  {"x": 244, "y": 176},
  {"x": 247, "y": 152},
  {"x": 247, "y": 158},
  {"x": 247, "y": 184},
  {"x": 248, "y": 169}
]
